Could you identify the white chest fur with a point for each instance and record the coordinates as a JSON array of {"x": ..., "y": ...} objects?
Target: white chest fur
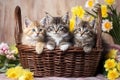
[{"x": 58, "y": 38}]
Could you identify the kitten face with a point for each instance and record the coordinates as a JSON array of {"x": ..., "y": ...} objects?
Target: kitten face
[
  {"x": 56, "y": 26},
  {"x": 82, "y": 30},
  {"x": 34, "y": 30}
]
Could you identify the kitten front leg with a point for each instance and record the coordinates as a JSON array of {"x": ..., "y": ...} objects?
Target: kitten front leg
[
  {"x": 87, "y": 49},
  {"x": 77, "y": 43},
  {"x": 39, "y": 47},
  {"x": 87, "y": 46},
  {"x": 64, "y": 46},
  {"x": 50, "y": 45}
]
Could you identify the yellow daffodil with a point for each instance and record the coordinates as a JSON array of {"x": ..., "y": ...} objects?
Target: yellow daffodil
[
  {"x": 19, "y": 73},
  {"x": 19, "y": 70},
  {"x": 104, "y": 11},
  {"x": 14, "y": 72},
  {"x": 113, "y": 74},
  {"x": 90, "y": 3},
  {"x": 78, "y": 11},
  {"x": 109, "y": 2},
  {"x": 27, "y": 75},
  {"x": 11, "y": 73},
  {"x": 109, "y": 64},
  {"x": 112, "y": 53},
  {"x": 106, "y": 25},
  {"x": 118, "y": 66},
  {"x": 72, "y": 24}
]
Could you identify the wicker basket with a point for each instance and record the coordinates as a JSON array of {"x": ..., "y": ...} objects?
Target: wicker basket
[{"x": 71, "y": 63}]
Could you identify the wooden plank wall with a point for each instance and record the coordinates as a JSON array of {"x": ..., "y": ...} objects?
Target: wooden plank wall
[{"x": 34, "y": 9}]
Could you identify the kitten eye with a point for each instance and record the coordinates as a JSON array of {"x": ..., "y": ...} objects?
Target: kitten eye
[
  {"x": 33, "y": 30},
  {"x": 79, "y": 29},
  {"x": 49, "y": 29},
  {"x": 86, "y": 30},
  {"x": 62, "y": 28},
  {"x": 40, "y": 29}
]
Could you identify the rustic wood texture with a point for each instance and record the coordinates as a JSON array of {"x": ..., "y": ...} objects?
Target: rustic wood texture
[{"x": 34, "y": 9}]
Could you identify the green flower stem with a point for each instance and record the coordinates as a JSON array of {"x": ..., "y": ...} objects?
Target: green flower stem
[
  {"x": 90, "y": 14},
  {"x": 3, "y": 69}
]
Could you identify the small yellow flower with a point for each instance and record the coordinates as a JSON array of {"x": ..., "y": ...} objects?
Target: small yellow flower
[
  {"x": 14, "y": 72},
  {"x": 109, "y": 2},
  {"x": 11, "y": 73},
  {"x": 106, "y": 25},
  {"x": 118, "y": 66},
  {"x": 109, "y": 64},
  {"x": 90, "y": 3},
  {"x": 104, "y": 11},
  {"x": 19, "y": 73},
  {"x": 112, "y": 53},
  {"x": 113, "y": 74},
  {"x": 78, "y": 11},
  {"x": 27, "y": 75},
  {"x": 72, "y": 24}
]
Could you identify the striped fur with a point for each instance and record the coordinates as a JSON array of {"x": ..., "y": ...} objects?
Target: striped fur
[
  {"x": 84, "y": 36},
  {"x": 57, "y": 31},
  {"x": 33, "y": 34}
]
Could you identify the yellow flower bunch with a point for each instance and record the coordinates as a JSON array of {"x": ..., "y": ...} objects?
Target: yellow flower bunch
[
  {"x": 112, "y": 66},
  {"x": 112, "y": 54},
  {"x": 110, "y": 2},
  {"x": 19, "y": 73},
  {"x": 104, "y": 11},
  {"x": 72, "y": 24},
  {"x": 76, "y": 11},
  {"x": 113, "y": 74}
]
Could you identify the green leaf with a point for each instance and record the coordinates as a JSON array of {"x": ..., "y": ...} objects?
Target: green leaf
[{"x": 3, "y": 69}]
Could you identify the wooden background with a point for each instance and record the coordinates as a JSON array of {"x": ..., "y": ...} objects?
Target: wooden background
[{"x": 34, "y": 9}]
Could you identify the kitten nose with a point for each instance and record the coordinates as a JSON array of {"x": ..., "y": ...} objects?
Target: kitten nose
[
  {"x": 56, "y": 31},
  {"x": 82, "y": 33},
  {"x": 37, "y": 34}
]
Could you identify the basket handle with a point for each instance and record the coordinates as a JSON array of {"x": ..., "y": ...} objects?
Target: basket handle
[
  {"x": 18, "y": 28},
  {"x": 99, "y": 31}
]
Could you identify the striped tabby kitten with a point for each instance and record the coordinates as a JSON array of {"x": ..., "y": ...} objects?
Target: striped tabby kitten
[
  {"x": 57, "y": 31},
  {"x": 33, "y": 35},
  {"x": 84, "y": 35}
]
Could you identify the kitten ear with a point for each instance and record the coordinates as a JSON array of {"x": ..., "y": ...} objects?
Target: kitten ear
[
  {"x": 92, "y": 23},
  {"x": 65, "y": 18},
  {"x": 46, "y": 20},
  {"x": 27, "y": 21},
  {"x": 77, "y": 20}
]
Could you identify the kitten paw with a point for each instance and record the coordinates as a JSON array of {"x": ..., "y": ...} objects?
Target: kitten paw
[
  {"x": 87, "y": 49},
  {"x": 64, "y": 47},
  {"x": 50, "y": 47},
  {"x": 39, "y": 48}
]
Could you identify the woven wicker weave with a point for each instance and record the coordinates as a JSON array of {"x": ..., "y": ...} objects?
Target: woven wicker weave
[{"x": 71, "y": 63}]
